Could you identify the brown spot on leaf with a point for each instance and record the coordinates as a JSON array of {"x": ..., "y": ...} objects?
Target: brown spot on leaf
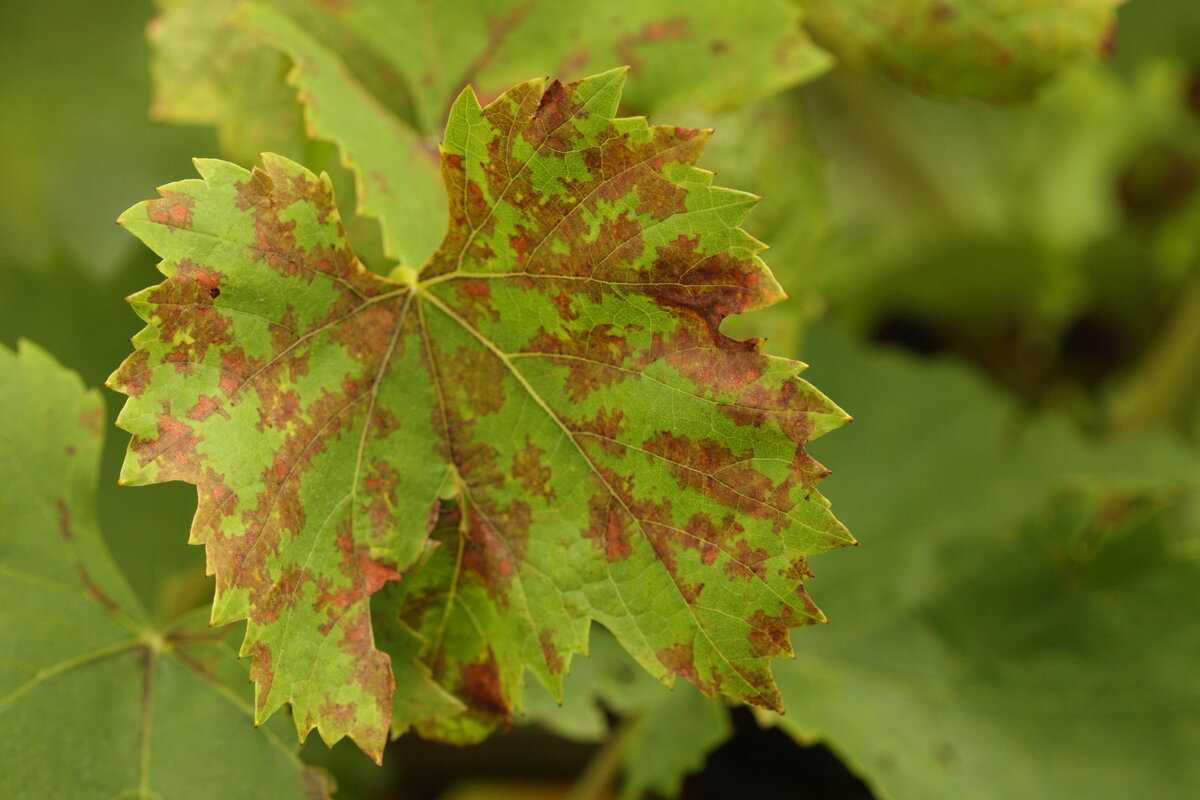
[
  {"x": 747, "y": 562},
  {"x": 171, "y": 209},
  {"x": 530, "y": 468},
  {"x": 475, "y": 301},
  {"x": 587, "y": 355},
  {"x": 769, "y": 634},
  {"x": 679, "y": 660},
  {"x": 480, "y": 689},
  {"x": 64, "y": 519},
  {"x": 206, "y": 405},
  {"x": 609, "y": 527},
  {"x": 798, "y": 570},
  {"x": 260, "y": 669},
  {"x": 93, "y": 421},
  {"x": 186, "y": 317},
  {"x": 133, "y": 376},
  {"x": 494, "y": 543},
  {"x": 94, "y": 591},
  {"x": 473, "y": 378},
  {"x": 607, "y": 427},
  {"x": 550, "y": 652}
]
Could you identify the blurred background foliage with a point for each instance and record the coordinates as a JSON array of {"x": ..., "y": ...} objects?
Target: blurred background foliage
[{"x": 987, "y": 216}]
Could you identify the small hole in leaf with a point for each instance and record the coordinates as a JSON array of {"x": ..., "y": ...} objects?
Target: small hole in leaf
[{"x": 214, "y": 293}]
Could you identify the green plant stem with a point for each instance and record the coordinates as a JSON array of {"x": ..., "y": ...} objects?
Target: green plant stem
[
  {"x": 1161, "y": 390},
  {"x": 602, "y": 771}
]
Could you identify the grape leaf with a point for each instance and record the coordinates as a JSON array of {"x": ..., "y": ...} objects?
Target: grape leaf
[
  {"x": 556, "y": 368},
  {"x": 988, "y": 49},
  {"x": 1018, "y": 661},
  {"x": 206, "y": 72},
  {"x": 96, "y": 701},
  {"x": 385, "y": 105},
  {"x": 682, "y": 53}
]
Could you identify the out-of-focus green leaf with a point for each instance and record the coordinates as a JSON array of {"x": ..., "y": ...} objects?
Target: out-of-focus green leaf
[
  {"x": 990, "y": 49},
  {"x": 96, "y": 701},
  {"x": 681, "y": 53},
  {"x": 973, "y": 654},
  {"x": 385, "y": 103},
  {"x": 207, "y": 72},
  {"x": 146, "y": 531},
  {"x": 75, "y": 142},
  {"x": 670, "y": 741},
  {"x": 1042, "y": 242},
  {"x": 915, "y": 169}
]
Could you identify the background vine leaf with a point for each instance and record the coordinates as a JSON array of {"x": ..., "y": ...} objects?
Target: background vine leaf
[
  {"x": 91, "y": 331},
  {"x": 555, "y": 377},
  {"x": 385, "y": 106},
  {"x": 999, "y": 633},
  {"x": 988, "y": 49},
  {"x": 97, "y": 701}
]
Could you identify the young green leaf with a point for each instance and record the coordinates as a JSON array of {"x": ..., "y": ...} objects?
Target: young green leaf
[
  {"x": 96, "y": 701},
  {"x": 556, "y": 370},
  {"x": 989, "y": 49}
]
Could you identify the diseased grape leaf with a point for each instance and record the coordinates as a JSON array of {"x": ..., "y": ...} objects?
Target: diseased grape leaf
[
  {"x": 988, "y": 49},
  {"x": 96, "y": 701},
  {"x": 555, "y": 376},
  {"x": 980, "y": 647},
  {"x": 665, "y": 734},
  {"x": 386, "y": 105}
]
